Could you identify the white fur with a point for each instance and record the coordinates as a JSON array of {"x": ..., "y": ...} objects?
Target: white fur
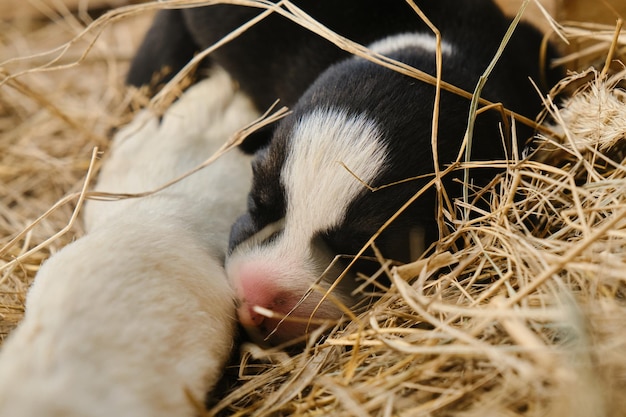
[
  {"x": 137, "y": 315},
  {"x": 425, "y": 41},
  {"x": 313, "y": 177}
]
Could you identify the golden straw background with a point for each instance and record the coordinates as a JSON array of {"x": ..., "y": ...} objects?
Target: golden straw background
[{"x": 528, "y": 320}]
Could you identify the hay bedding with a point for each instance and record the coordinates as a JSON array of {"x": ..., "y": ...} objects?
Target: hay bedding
[
  {"x": 49, "y": 122},
  {"x": 527, "y": 320}
]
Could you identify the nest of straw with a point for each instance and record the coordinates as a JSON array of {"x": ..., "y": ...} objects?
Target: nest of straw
[{"x": 526, "y": 320}]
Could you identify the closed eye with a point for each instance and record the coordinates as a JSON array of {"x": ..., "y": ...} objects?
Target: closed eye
[
  {"x": 343, "y": 242},
  {"x": 269, "y": 232}
]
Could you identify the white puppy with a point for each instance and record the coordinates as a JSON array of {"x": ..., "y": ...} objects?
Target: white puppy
[{"x": 137, "y": 317}]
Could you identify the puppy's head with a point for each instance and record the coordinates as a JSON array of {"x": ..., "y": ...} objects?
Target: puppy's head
[{"x": 304, "y": 199}]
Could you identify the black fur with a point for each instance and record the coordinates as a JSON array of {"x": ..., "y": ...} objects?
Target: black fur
[
  {"x": 166, "y": 48},
  {"x": 277, "y": 59},
  {"x": 404, "y": 108}
]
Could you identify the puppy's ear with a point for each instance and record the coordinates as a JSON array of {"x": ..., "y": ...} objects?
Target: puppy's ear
[
  {"x": 258, "y": 139},
  {"x": 166, "y": 48}
]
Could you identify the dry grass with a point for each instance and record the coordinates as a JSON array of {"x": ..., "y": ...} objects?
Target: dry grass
[
  {"x": 527, "y": 320},
  {"x": 53, "y": 112}
]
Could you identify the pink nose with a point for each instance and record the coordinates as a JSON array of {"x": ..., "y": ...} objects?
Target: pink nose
[
  {"x": 256, "y": 289},
  {"x": 271, "y": 306}
]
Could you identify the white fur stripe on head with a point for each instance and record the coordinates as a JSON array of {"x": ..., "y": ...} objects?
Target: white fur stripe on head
[
  {"x": 318, "y": 188},
  {"x": 425, "y": 41}
]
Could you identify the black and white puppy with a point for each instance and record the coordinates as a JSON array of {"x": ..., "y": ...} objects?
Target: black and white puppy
[{"x": 305, "y": 207}]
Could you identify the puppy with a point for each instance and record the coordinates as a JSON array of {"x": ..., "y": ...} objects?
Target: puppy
[
  {"x": 360, "y": 120},
  {"x": 137, "y": 317}
]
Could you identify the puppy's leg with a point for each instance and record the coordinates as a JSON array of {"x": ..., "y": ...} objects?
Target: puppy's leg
[
  {"x": 166, "y": 48},
  {"x": 137, "y": 316},
  {"x": 148, "y": 153}
]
